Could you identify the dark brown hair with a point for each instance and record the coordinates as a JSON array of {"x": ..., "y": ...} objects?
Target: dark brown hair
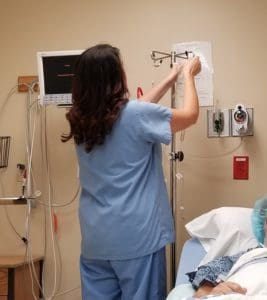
[{"x": 99, "y": 92}]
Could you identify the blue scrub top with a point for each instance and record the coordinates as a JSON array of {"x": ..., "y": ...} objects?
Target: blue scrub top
[{"x": 124, "y": 209}]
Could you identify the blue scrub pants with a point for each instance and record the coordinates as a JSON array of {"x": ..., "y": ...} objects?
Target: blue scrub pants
[{"x": 142, "y": 278}]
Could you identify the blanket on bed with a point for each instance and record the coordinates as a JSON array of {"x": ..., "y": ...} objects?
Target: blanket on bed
[
  {"x": 250, "y": 272},
  {"x": 231, "y": 297}
]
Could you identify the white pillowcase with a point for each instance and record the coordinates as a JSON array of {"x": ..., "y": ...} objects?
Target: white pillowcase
[{"x": 223, "y": 231}]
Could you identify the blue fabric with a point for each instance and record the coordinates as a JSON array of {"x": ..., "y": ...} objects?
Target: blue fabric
[
  {"x": 124, "y": 209},
  {"x": 213, "y": 270},
  {"x": 136, "y": 279},
  {"x": 258, "y": 218}
]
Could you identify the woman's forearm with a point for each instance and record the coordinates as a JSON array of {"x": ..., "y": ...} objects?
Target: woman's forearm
[
  {"x": 191, "y": 103},
  {"x": 160, "y": 89}
]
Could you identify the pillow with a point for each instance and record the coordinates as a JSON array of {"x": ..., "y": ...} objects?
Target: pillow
[{"x": 223, "y": 231}]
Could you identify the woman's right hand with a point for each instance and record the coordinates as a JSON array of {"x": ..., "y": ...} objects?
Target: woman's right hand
[
  {"x": 192, "y": 67},
  {"x": 227, "y": 287}
]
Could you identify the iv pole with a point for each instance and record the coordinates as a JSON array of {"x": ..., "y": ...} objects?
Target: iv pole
[{"x": 158, "y": 58}]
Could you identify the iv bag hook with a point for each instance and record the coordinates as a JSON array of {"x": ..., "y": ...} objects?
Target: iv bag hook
[{"x": 159, "y": 56}]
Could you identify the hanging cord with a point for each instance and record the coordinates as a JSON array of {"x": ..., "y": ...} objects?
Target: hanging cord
[
  {"x": 25, "y": 239},
  {"x": 33, "y": 274},
  {"x": 50, "y": 210},
  {"x": 22, "y": 238},
  {"x": 218, "y": 155},
  {"x": 44, "y": 157},
  {"x": 11, "y": 92},
  {"x": 8, "y": 97},
  {"x": 30, "y": 136},
  {"x": 50, "y": 206},
  {"x": 29, "y": 256},
  {"x": 75, "y": 197},
  {"x": 67, "y": 291},
  {"x": 30, "y": 139}
]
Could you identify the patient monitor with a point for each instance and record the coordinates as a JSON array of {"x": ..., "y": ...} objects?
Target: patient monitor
[{"x": 55, "y": 72}]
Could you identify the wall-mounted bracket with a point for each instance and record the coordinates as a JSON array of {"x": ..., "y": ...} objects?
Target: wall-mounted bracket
[{"x": 218, "y": 123}]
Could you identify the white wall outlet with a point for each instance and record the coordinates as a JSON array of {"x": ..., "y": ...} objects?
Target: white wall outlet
[
  {"x": 218, "y": 123},
  {"x": 242, "y": 121}
]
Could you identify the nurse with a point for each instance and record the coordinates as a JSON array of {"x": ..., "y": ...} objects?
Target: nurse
[{"x": 124, "y": 212}]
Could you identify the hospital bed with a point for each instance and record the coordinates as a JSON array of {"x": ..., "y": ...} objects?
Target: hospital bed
[
  {"x": 221, "y": 231},
  {"x": 191, "y": 255}
]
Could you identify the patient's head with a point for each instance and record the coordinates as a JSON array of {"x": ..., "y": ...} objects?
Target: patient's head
[{"x": 259, "y": 220}]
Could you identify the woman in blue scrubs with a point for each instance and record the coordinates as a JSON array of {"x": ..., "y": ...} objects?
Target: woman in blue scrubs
[{"x": 124, "y": 212}]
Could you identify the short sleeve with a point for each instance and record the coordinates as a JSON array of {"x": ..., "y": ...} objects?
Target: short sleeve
[{"x": 154, "y": 122}]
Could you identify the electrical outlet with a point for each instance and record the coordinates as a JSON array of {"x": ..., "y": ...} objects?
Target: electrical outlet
[
  {"x": 242, "y": 120},
  {"x": 218, "y": 123}
]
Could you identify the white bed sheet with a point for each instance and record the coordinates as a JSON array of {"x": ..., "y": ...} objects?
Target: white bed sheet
[
  {"x": 249, "y": 272},
  {"x": 181, "y": 291},
  {"x": 232, "y": 297}
]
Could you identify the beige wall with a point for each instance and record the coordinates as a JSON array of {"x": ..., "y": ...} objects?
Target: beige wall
[{"x": 237, "y": 32}]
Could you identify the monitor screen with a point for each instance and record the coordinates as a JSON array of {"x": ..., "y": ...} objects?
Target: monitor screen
[
  {"x": 58, "y": 73},
  {"x": 55, "y": 71}
]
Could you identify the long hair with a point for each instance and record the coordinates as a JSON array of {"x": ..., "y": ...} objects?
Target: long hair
[{"x": 99, "y": 92}]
